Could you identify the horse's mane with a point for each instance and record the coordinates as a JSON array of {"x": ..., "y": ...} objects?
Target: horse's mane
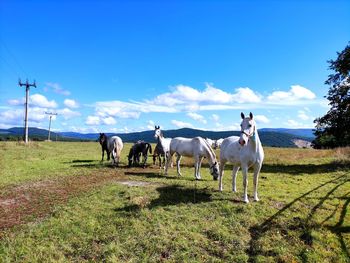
[{"x": 209, "y": 148}]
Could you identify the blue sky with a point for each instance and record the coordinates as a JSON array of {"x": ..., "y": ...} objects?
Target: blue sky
[{"x": 124, "y": 66}]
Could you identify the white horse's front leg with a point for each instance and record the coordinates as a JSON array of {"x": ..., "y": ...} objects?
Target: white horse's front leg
[
  {"x": 221, "y": 174},
  {"x": 257, "y": 169},
  {"x": 178, "y": 158},
  {"x": 234, "y": 176},
  {"x": 197, "y": 167},
  {"x": 245, "y": 183}
]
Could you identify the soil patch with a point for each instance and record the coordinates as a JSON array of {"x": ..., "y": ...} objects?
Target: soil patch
[{"x": 27, "y": 202}]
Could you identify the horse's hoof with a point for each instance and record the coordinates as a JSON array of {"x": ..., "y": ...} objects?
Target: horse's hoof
[
  {"x": 246, "y": 200},
  {"x": 256, "y": 199}
]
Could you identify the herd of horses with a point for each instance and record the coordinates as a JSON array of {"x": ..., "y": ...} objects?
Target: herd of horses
[{"x": 242, "y": 151}]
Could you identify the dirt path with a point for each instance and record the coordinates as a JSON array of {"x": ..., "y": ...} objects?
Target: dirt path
[{"x": 34, "y": 200}]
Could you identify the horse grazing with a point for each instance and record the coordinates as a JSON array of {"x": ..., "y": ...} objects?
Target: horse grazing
[
  {"x": 197, "y": 148},
  {"x": 112, "y": 145},
  {"x": 163, "y": 145},
  {"x": 244, "y": 151},
  {"x": 140, "y": 147}
]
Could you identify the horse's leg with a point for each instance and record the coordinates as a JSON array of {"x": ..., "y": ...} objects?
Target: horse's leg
[
  {"x": 145, "y": 160},
  {"x": 245, "y": 183},
  {"x": 103, "y": 153},
  {"x": 257, "y": 168},
  {"x": 108, "y": 155},
  {"x": 221, "y": 174},
  {"x": 167, "y": 157},
  {"x": 199, "y": 167},
  {"x": 234, "y": 176},
  {"x": 178, "y": 158}
]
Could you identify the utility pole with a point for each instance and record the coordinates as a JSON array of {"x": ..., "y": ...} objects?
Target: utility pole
[
  {"x": 27, "y": 85},
  {"x": 51, "y": 114}
]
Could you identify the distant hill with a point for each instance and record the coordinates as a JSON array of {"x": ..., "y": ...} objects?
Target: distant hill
[
  {"x": 297, "y": 132},
  {"x": 269, "y": 137}
]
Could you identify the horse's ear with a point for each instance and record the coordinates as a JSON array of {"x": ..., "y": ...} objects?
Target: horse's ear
[
  {"x": 251, "y": 115},
  {"x": 242, "y": 115}
]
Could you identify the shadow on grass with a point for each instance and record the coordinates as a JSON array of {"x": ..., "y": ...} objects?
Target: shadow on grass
[
  {"x": 303, "y": 225},
  {"x": 295, "y": 169},
  {"x": 160, "y": 175},
  {"x": 82, "y": 161},
  {"x": 172, "y": 195}
]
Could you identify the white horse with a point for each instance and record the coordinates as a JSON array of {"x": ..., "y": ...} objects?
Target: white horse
[
  {"x": 117, "y": 149},
  {"x": 197, "y": 148},
  {"x": 112, "y": 145},
  {"x": 218, "y": 143},
  {"x": 210, "y": 142},
  {"x": 163, "y": 145},
  {"x": 244, "y": 151}
]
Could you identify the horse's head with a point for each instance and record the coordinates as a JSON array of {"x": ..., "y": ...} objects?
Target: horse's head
[
  {"x": 214, "y": 170},
  {"x": 247, "y": 129},
  {"x": 102, "y": 138},
  {"x": 157, "y": 132}
]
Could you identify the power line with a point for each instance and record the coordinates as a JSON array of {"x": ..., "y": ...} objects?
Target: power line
[{"x": 13, "y": 57}]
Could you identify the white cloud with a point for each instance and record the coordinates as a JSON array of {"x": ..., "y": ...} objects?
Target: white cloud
[
  {"x": 261, "y": 119},
  {"x": 92, "y": 120},
  {"x": 41, "y": 101},
  {"x": 222, "y": 127},
  {"x": 55, "y": 87},
  {"x": 215, "y": 117},
  {"x": 294, "y": 124},
  {"x": 246, "y": 95},
  {"x": 150, "y": 125},
  {"x": 16, "y": 102},
  {"x": 68, "y": 113},
  {"x": 187, "y": 95},
  {"x": 109, "y": 121},
  {"x": 197, "y": 117},
  {"x": 296, "y": 93},
  {"x": 181, "y": 124},
  {"x": 71, "y": 103},
  {"x": 302, "y": 115}
]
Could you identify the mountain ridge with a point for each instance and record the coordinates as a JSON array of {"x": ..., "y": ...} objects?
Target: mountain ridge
[{"x": 269, "y": 137}]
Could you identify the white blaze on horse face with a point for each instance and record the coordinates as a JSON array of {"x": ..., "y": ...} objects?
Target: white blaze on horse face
[
  {"x": 157, "y": 133},
  {"x": 247, "y": 130}
]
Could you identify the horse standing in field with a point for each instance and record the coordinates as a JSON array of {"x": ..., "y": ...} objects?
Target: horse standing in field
[
  {"x": 244, "y": 151},
  {"x": 163, "y": 145},
  {"x": 112, "y": 145},
  {"x": 198, "y": 148},
  {"x": 138, "y": 149}
]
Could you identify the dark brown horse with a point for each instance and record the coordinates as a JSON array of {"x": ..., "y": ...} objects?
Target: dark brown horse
[{"x": 139, "y": 148}]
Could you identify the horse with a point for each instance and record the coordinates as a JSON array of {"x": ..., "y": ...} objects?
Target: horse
[
  {"x": 163, "y": 145},
  {"x": 112, "y": 145},
  {"x": 140, "y": 147},
  {"x": 244, "y": 151},
  {"x": 217, "y": 143},
  {"x": 196, "y": 147},
  {"x": 158, "y": 152},
  {"x": 210, "y": 142}
]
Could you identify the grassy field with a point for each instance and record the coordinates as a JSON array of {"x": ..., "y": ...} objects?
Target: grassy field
[{"x": 58, "y": 203}]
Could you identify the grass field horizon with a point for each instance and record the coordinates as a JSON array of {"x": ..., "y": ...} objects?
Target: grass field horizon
[{"x": 59, "y": 203}]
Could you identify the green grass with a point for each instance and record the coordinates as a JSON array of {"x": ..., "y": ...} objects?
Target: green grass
[{"x": 302, "y": 216}]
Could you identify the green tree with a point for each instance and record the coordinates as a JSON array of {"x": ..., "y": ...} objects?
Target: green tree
[{"x": 333, "y": 129}]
